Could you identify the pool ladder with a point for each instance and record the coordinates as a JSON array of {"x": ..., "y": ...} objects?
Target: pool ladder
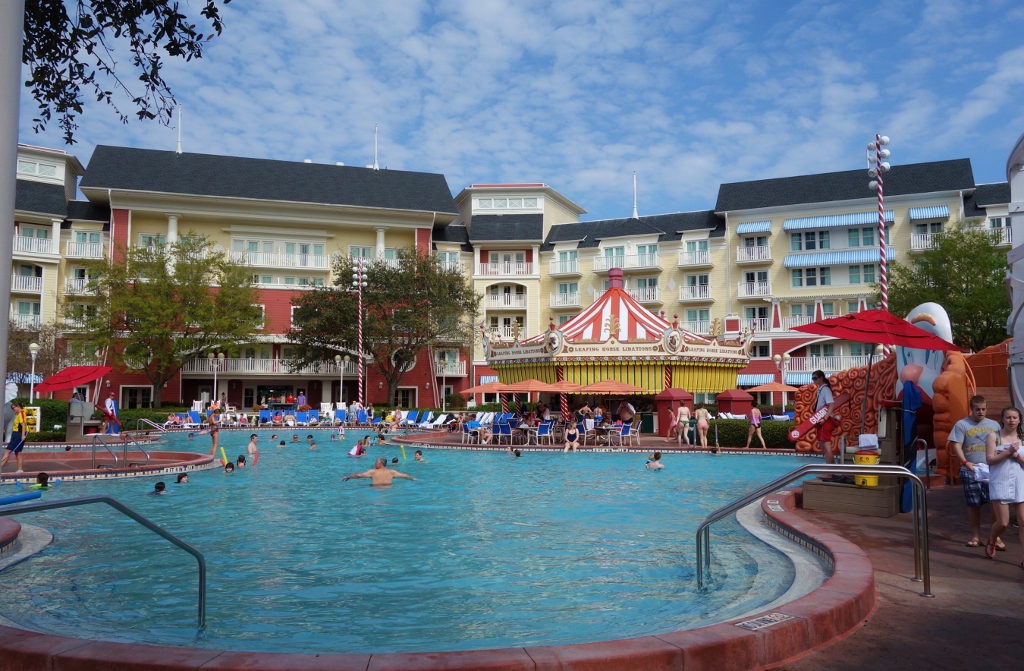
[
  {"x": 922, "y": 569},
  {"x": 117, "y": 505},
  {"x": 125, "y": 439}
]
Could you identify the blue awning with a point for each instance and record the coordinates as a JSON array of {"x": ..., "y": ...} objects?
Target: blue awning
[
  {"x": 754, "y": 379},
  {"x": 864, "y": 255},
  {"x": 754, "y": 227},
  {"x": 24, "y": 378},
  {"x": 833, "y": 220},
  {"x": 798, "y": 379},
  {"x": 934, "y": 212},
  {"x": 485, "y": 379}
]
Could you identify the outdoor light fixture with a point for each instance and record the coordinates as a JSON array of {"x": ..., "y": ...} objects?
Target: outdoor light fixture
[
  {"x": 342, "y": 362},
  {"x": 359, "y": 283},
  {"x": 33, "y": 350},
  {"x": 782, "y": 363}
]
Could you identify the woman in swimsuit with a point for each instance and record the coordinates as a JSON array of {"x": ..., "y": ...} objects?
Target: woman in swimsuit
[
  {"x": 755, "y": 426},
  {"x": 679, "y": 430},
  {"x": 572, "y": 438},
  {"x": 703, "y": 423},
  {"x": 214, "y": 433}
]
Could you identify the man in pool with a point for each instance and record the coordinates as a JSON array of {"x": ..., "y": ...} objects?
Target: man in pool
[
  {"x": 380, "y": 475},
  {"x": 419, "y": 456},
  {"x": 252, "y": 449}
]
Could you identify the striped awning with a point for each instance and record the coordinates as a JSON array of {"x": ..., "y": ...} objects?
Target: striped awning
[
  {"x": 865, "y": 255},
  {"x": 485, "y": 379},
  {"x": 753, "y": 379},
  {"x": 798, "y": 379},
  {"x": 754, "y": 227},
  {"x": 833, "y": 220},
  {"x": 24, "y": 378},
  {"x": 934, "y": 212}
]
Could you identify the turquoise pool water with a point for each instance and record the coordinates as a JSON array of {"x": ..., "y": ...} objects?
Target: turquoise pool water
[{"x": 483, "y": 550}]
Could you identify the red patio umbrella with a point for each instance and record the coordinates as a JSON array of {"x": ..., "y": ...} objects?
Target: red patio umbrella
[
  {"x": 71, "y": 377},
  {"x": 876, "y": 327}
]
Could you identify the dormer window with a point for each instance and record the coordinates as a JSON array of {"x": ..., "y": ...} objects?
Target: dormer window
[
  {"x": 33, "y": 168},
  {"x": 500, "y": 203},
  {"x": 515, "y": 202},
  {"x": 529, "y": 202},
  {"x": 485, "y": 203}
]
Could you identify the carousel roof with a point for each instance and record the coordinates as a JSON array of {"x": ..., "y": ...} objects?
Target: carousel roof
[{"x": 635, "y": 322}]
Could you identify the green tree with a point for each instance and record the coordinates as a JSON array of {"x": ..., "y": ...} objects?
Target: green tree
[
  {"x": 65, "y": 51},
  {"x": 409, "y": 305},
  {"x": 965, "y": 273},
  {"x": 163, "y": 306},
  {"x": 47, "y": 336}
]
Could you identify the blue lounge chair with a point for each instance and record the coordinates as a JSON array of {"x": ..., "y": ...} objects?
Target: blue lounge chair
[
  {"x": 264, "y": 417},
  {"x": 545, "y": 431},
  {"x": 361, "y": 417},
  {"x": 340, "y": 416},
  {"x": 411, "y": 417},
  {"x": 193, "y": 420},
  {"x": 504, "y": 431},
  {"x": 314, "y": 417},
  {"x": 302, "y": 418}
]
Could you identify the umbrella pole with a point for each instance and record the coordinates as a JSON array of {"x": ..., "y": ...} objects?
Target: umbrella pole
[{"x": 867, "y": 385}]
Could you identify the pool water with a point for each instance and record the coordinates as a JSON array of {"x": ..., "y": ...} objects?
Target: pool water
[{"x": 483, "y": 550}]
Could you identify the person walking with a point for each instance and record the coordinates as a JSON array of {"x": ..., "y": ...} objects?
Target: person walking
[
  {"x": 17, "y": 442},
  {"x": 755, "y": 426},
  {"x": 1005, "y": 458},
  {"x": 703, "y": 418},
  {"x": 968, "y": 440},
  {"x": 825, "y": 399}
]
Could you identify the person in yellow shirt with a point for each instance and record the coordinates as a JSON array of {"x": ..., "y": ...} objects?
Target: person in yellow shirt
[{"x": 17, "y": 443}]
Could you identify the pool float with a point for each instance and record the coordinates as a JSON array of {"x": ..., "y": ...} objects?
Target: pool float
[
  {"x": 18, "y": 498},
  {"x": 402, "y": 447},
  {"x": 256, "y": 459},
  {"x": 223, "y": 457}
]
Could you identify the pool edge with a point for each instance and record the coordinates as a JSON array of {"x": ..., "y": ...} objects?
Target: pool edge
[{"x": 829, "y": 613}]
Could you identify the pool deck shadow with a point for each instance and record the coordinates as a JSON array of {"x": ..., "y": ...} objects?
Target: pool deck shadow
[{"x": 976, "y": 619}]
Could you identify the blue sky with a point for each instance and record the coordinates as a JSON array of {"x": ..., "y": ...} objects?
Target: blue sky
[{"x": 579, "y": 94}]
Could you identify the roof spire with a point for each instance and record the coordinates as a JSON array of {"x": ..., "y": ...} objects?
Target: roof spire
[
  {"x": 375, "y": 165},
  {"x": 634, "y": 196},
  {"x": 179, "y": 129}
]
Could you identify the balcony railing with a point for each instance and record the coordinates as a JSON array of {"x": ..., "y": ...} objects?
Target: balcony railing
[
  {"x": 27, "y": 321},
  {"x": 922, "y": 241},
  {"x": 646, "y": 295},
  {"x": 700, "y": 257},
  {"x": 627, "y": 262},
  {"x": 281, "y": 260},
  {"x": 566, "y": 267},
  {"x": 83, "y": 250},
  {"x": 698, "y": 292},
  {"x": 790, "y": 322},
  {"x": 1005, "y": 235},
  {"x": 75, "y": 285},
  {"x": 506, "y": 301},
  {"x": 26, "y": 283},
  {"x": 506, "y": 332},
  {"x": 34, "y": 245},
  {"x": 698, "y": 327},
  {"x": 565, "y": 300},
  {"x": 754, "y": 289},
  {"x": 453, "y": 265},
  {"x": 450, "y": 368},
  {"x": 504, "y": 269},
  {"x": 266, "y": 367},
  {"x": 829, "y": 364},
  {"x": 753, "y": 254},
  {"x": 759, "y": 325}
]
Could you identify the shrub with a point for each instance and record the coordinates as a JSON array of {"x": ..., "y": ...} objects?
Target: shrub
[
  {"x": 733, "y": 433},
  {"x": 46, "y": 437}
]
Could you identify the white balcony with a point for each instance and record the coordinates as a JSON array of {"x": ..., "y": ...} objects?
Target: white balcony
[
  {"x": 205, "y": 366},
  {"x": 454, "y": 265},
  {"x": 72, "y": 323},
  {"x": 280, "y": 260},
  {"x": 759, "y": 325},
  {"x": 506, "y": 333},
  {"x": 698, "y": 327},
  {"x": 506, "y": 301},
  {"x": 26, "y": 284},
  {"x": 759, "y": 254},
  {"x": 829, "y": 364},
  {"x": 698, "y": 292},
  {"x": 76, "y": 285},
  {"x": 1005, "y": 235},
  {"x": 922, "y": 241},
  {"x": 34, "y": 245},
  {"x": 83, "y": 250},
  {"x": 27, "y": 321},
  {"x": 790, "y": 322},
  {"x": 567, "y": 267},
  {"x": 504, "y": 269},
  {"x": 450, "y": 368},
  {"x": 700, "y": 258},
  {"x": 566, "y": 300},
  {"x": 646, "y": 295},
  {"x": 754, "y": 289},
  {"x": 627, "y": 262}
]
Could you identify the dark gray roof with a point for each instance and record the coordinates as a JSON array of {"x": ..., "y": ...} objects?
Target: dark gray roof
[
  {"x": 511, "y": 227},
  {"x": 41, "y": 198},
  {"x": 997, "y": 193},
  {"x": 262, "y": 179},
  {"x": 452, "y": 233},
  {"x": 932, "y": 177},
  {"x": 669, "y": 227},
  {"x": 83, "y": 210}
]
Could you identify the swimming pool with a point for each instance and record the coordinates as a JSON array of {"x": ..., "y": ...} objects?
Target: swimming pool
[{"x": 484, "y": 550}]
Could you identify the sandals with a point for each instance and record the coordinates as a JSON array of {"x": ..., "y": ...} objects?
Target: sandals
[
  {"x": 990, "y": 550},
  {"x": 973, "y": 543},
  {"x": 1000, "y": 545}
]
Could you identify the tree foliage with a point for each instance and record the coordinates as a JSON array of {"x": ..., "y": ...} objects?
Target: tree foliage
[
  {"x": 964, "y": 273},
  {"x": 66, "y": 50},
  {"x": 408, "y": 306},
  {"x": 164, "y": 306},
  {"x": 50, "y": 348}
]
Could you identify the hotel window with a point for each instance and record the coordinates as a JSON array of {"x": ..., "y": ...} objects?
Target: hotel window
[
  {"x": 515, "y": 202},
  {"x": 854, "y": 274},
  {"x": 856, "y": 349},
  {"x": 822, "y": 350},
  {"x": 853, "y": 237},
  {"x": 697, "y": 280},
  {"x": 933, "y": 228},
  {"x": 357, "y": 252},
  {"x": 529, "y": 202},
  {"x": 798, "y": 277},
  {"x": 152, "y": 240},
  {"x": 697, "y": 246},
  {"x": 647, "y": 254},
  {"x": 852, "y": 307},
  {"x": 796, "y": 242},
  {"x": 868, "y": 236},
  {"x": 759, "y": 241},
  {"x": 825, "y": 276},
  {"x": 266, "y": 279},
  {"x": 484, "y": 203},
  {"x": 811, "y": 277},
  {"x": 567, "y": 287},
  {"x": 997, "y": 223},
  {"x": 33, "y": 168},
  {"x": 614, "y": 256},
  {"x": 261, "y": 312},
  {"x": 828, "y": 310},
  {"x": 500, "y": 203},
  {"x": 564, "y": 318},
  {"x": 869, "y": 273},
  {"x": 289, "y": 280},
  {"x": 90, "y": 238},
  {"x": 761, "y": 350}
]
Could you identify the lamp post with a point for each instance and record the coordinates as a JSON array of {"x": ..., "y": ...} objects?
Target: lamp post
[
  {"x": 342, "y": 362},
  {"x": 33, "y": 350},
  {"x": 444, "y": 372},
  {"x": 877, "y": 167},
  {"x": 215, "y": 362},
  {"x": 358, "y": 284},
  {"x": 782, "y": 363}
]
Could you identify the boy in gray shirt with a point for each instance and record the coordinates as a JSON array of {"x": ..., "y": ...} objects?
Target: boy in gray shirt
[{"x": 968, "y": 442}]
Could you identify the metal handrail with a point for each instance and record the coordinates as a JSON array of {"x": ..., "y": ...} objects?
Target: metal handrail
[
  {"x": 126, "y": 437},
  {"x": 922, "y": 569},
  {"x": 117, "y": 505},
  {"x": 98, "y": 438},
  {"x": 142, "y": 421}
]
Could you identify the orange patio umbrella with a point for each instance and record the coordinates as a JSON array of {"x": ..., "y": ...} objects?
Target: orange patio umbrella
[
  {"x": 529, "y": 387},
  {"x": 487, "y": 388},
  {"x": 773, "y": 386}
]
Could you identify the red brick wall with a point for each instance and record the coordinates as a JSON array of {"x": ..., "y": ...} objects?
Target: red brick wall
[{"x": 119, "y": 233}]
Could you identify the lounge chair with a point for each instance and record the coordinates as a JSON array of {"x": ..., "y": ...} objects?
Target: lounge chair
[
  {"x": 340, "y": 415},
  {"x": 411, "y": 417},
  {"x": 426, "y": 421},
  {"x": 264, "y": 417},
  {"x": 194, "y": 421},
  {"x": 326, "y": 409},
  {"x": 361, "y": 418}
]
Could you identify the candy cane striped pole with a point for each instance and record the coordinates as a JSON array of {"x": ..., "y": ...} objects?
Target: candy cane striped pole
[
  {"x": 564, "y": 398},
  {"x": 359, "y": 292},
  {"x": 883, "y": 267}
]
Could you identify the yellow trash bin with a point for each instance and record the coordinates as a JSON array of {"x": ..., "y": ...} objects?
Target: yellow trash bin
[{"x": 866, "y": 457}]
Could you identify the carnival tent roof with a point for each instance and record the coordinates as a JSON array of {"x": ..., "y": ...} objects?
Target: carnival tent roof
[
  {"x": 635, "y": 322},
  {"x": 611, "y": 387}
]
